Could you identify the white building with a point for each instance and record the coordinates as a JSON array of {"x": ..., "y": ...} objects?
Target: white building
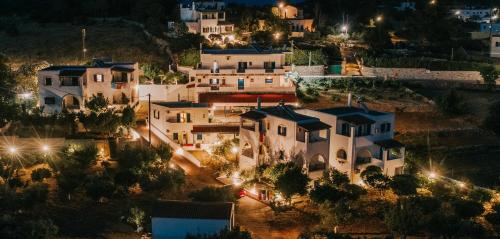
[
  {"x": 178, "y": 219},
  {"x": 472, "y": 14},
  {"x": 495, "y": 46},
  {"x": 279, "y": 134},
  {"x": 69, "y": 87},
  {"x": 357, "y": 139},
  {"x": 406, "y": 5},
  {"x": 298, "y": 24},
  {"x": 190, "y": 124},
  {"x": 207, "y": 18},
  {"x": 230, "y": 78}
]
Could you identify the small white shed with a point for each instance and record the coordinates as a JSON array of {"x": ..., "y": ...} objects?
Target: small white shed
[{"x": 177, "y": 219}]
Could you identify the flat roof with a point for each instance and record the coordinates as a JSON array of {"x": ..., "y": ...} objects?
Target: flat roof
[
  {"x": 181, "y": 104},
  {"x": 253, "y": 115},
  {"x": 193, "y": 210},
  {"x": 357, "y": 119},
  {"x": 314, "y": 125},
  {"x": 389, "y": 143},
  {"x": 252, "y": 49},
  {"x": 286, "y": 112}
]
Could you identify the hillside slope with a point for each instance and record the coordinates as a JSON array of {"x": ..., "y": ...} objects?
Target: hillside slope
[{"x": 60, "y": 43}]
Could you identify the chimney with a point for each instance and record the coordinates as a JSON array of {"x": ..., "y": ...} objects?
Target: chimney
[
  {"x": 259, "y": 102},
  {"x": 349, "y": 100}
]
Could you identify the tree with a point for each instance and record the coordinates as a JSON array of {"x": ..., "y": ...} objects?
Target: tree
[
  {"x": 35, "y": 194},
  {"x": 480, "y": 195},
  {"x": 326, "y": 192},
  {"x": 494, "y": 217},
  {"x": 377, "y": 38},
  {"x": 98, "y": 187},
  {"x": 373, "y": 176},
  {"x": 97, "y": 103},
  {"x": 451, "y": 103},
  {"x": 467, "y": 208},
  {"x": 293, "y": 181},
  {"x": 7, "y": 95},
  {"x": 492, "y": 121},
  {"x": 86, "y": 156},
  {"x": 334, "y": 214},
  {"x": 189, "y": 57},
  {"x": 70, "y": 177},
  {"x": 128, "y": 117},
  {"x": 404, "y": 185},
  {"x": 490, "y": 75},
  {"x": 164, "y": 152},
  {"x": 40, "y": 174},
  {"x": 338, "y": 178},
  {"x": 404, "y": 218},
  {"x": 136, "y": 218},
  {"x": 213, "y": 194},
  {"x": 236, "y": 233},
  {"x": 42, "y": 228}
]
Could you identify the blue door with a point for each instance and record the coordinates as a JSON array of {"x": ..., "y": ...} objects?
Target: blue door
[{"x": 241, "y": 84}]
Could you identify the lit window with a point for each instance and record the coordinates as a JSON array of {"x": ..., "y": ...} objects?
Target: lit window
[
  {"x": 269, "y": 80},
  {"x": 98, "y": 78}
]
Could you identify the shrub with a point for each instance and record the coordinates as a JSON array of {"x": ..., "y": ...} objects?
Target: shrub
[
  {"x": 451, "y": 103},
  {"x": 40, "y": 174},
  {"x": 213, "y": 194}
]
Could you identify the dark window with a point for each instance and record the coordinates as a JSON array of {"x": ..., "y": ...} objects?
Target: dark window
[
  {"x": 50, "y": 100},
  {"x": 269, "y": 65},
  {"x": 345, "y": 129},
  {"x": 385, "y": 127},
  {"x": 74, "y": 81},
  {"x": 269, "y": 80},
  {"x": 176, "y": 136},
  {"x": 282, "y": 130},
  {"x": 497, "y": 44},
  {"x": 48, "y": 81},
  {"x": 199, "y": 136}
]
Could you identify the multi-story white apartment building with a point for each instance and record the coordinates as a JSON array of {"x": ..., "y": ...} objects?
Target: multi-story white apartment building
[
  {"x": 237, "y": 77},
  {"x": 69, "y": 87},
  {"x": 359, "y": 138},
  {"x": 190, "y": 124},
  {"x": 274, "y": 134},
  {"x": 206, "y": 18},
  {"x": 348, "y": 139}
]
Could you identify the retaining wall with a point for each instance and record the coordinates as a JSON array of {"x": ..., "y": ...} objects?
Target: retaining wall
[{"x": 471, "y": 77}]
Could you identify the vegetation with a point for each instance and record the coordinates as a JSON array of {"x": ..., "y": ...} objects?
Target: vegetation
[
  {"x": 452, "y": 103},
  {"x": 492, "y": 121},
  {"x": 236, "y": 233},
  {"x": 213, "y": 194},
  {"x": 490, "y": 75},
  {"x": 190, "y": 58},
  {"x": 136, "y": 218}
]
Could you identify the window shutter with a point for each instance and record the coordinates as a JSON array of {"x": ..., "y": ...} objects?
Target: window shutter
[
  {"x": 284, "y": 131},
  {"x": 188, "y": 117},
  {"x": 178, "y": 118},
  {"x": 279, "y": 129},
  {"x": 95, "y": 78}
]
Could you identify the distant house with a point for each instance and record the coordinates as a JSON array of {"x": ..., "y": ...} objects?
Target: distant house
[
  {"x": 177, "y": 219},
  {"x": 485, "y": 27},
  {"x": 294, "y": 17},
  {"x": 473, "y": 14},
  {"x": 69, "y": 87},
  {"x": 406, "y": 5},
  {"x": 206, "y": 18},
  {"x": 495, "y": 46}
]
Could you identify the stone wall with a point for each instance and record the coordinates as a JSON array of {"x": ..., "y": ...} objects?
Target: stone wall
[
  {"x": 310, "y": 70},
  {"x": 471, "y": 77}
]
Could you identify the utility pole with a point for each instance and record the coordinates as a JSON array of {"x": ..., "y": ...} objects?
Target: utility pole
[
  {"x": 149, "y": 119},
  {"x": 84, "y": 50},
  {"x": 310, "y": 58}
]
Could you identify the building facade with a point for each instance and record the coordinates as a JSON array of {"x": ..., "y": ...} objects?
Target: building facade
[
  {"x": 237, "y": 77},
  {"x": 348, "y": 139},
  {"x": 207, "y": 18},
  {"x": 190, "y": 124},
  {"x": 474, "y": 14},
  {"x": 280, "y": 134},
  {"x": 295, "y": 19},
  {"x": 69, "y": 87},
  {"x": 495, "y": 46}
]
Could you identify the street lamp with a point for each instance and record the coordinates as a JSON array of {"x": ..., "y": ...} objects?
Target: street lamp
[
  {"x": 45, "y": 148},
  {"x": 12, "y": 150},
  {"x": 379, "y": 18},
  {"x": 432, "y": 175},
  {"x": 344, "y": 29},
  {"x": 234, "y": 149}
]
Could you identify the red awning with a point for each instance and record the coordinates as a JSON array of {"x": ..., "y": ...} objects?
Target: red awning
[
  {"x": 215, "y": 129},
  {"x": 211, "y": 98}
]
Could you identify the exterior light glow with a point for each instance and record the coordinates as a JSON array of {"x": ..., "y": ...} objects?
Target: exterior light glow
[
  {"x": 230, "y": 37},
  {"x": 432, "y": 175},
  {"x": 461, "y": 185},
  {"x": 253, "y": 190},
  {"x": 12, "y": 150},
  {"x": 45, "y": 148},
  {"x": 457, "y": 12},
  {"x": 179, "y": 151},
  {"x": 379, "y": 18},
  {"x": 234, "y": 149}
]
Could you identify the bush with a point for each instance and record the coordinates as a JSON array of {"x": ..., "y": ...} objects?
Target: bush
[
  {"x": 467, "y": 208},
  {"x": 213, "y": 194},
  {"x": 189, "y": 57},
  {"x": 40, "y": 174},
  {"x": 480, "y": 195},
  {"x": 451, "y": 103}
]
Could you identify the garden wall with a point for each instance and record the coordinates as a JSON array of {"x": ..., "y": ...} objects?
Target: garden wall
[
  {"x": 310, "y": 70},
  {"x": 471, "y": 77}
]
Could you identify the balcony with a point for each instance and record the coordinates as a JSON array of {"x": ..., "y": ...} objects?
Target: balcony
[{"x": 250, "y": 127}]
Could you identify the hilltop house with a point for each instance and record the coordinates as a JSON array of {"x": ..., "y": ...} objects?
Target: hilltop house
[
  {"x": 207, "y": 18},
  {"x": 278, "y": 134},
  {"x": 479, "y": 15},
  {"x": 299, "y": 25},
  {"x": 178, "y": 219},
  {"x": 228, "y": 78},
  {"x": 68, "y": 87},
  {"x": 190, "y": 124}
]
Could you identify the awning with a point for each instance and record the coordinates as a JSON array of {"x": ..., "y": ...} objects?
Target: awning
[
  {"x": 389, "y": 144},
  {"x": 72, "y": 72},
  {"x": 211, "y": 98},
  {"x": 233, "y": 129},
  {"x": 314, "y": 126},
  {"x": 356, "y": 119},
  {"x": 122, "y": 69}
]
